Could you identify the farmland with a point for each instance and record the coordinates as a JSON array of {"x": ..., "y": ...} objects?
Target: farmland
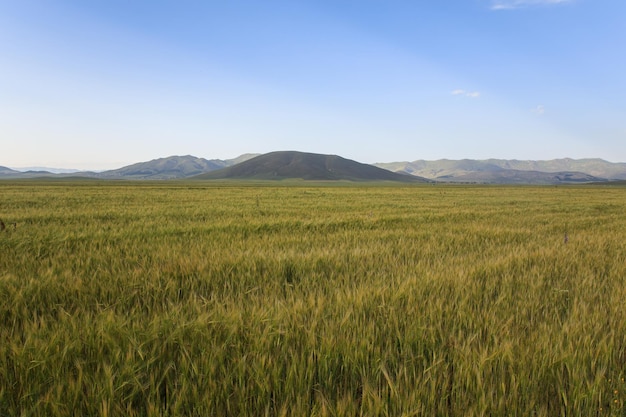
[{"x": 199, "y": 298}]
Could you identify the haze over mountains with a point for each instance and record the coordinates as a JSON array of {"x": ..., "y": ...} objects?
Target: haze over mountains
[
  {"x": 284, "y": 165},
  {"x": 445, "y": 168},
  {"x": 500, "y": 171}
]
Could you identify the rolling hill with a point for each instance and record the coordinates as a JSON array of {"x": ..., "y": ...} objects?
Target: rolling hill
[
  {"x": 7, "y": 171},
  {"x": 171, "y": 168},
  {"x": 12, "y": 173},
  {"x": 556, "y": 171},
  {"x": 308, "y": 166},
  {"x": 283, "y": 165}
]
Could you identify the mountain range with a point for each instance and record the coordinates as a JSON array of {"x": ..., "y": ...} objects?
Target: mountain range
[
  {"x": 502, "y": 170},
  {"x": 308, "y": 166}
]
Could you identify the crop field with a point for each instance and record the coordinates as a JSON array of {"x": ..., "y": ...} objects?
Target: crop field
[{"x": 228, "y": 299}]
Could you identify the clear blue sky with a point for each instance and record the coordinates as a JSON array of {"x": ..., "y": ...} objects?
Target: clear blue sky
[{"x": 103, "y": 83}]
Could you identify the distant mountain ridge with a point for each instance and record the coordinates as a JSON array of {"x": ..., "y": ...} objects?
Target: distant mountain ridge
[
  {"x": 166, "y": 168},
  {"x": 292, "y": 164},
  {"x": 7, "y": 171},
  {"x": 13, "y": 173},
  {"x": 48, "y": 169},
  {"x": 501, "y": 170},
  {"x": 173, "y": 167}
]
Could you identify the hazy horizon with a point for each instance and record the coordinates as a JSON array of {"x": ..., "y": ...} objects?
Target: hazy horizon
[
  {"x": 102, "y": 85},
  {"x": 57, "y": 170}
]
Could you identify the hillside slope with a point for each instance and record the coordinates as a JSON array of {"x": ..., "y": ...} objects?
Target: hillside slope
[
  {"x": 164, "y": 168},
  {"x": 307, "y": 166},
  {"x": 512, "y": 171}
]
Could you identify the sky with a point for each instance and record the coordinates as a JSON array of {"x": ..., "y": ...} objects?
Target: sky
[{"x": 101, "y": 84}]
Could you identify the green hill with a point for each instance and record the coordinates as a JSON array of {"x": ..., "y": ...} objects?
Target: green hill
[
  {"x": 499, "y": 171},
  {"x": 284, "y": 165}
]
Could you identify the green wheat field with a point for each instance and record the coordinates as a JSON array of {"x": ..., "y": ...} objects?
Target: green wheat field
[{"x": 232, "y": 299}]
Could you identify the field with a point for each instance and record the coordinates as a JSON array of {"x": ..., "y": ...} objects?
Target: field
[{"x": 200, "y": 299}]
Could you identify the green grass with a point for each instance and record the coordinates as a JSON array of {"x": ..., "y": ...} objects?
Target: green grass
[{"x": 186, "y": 298}]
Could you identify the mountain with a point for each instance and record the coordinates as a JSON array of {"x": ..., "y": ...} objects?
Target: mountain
[
  {"x": 307, "y": 166},
  {"x": 497, "y": 170},
  {"x": 240, "y": 158},
  {"x": 164, "y": 168},
  {"x": 291, "y": 164},
  {"x": 443, "y": 168},
  {"x": 12, "y": 173},
  {"x": 595, "y": 167},
  {"x": 8, "y": 171},
  {"x": 172, "y": 167},
  {"x": 49, "y": 170}
]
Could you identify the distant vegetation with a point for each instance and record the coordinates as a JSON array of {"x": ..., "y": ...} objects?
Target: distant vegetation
[{"x": 228, "y": 299}]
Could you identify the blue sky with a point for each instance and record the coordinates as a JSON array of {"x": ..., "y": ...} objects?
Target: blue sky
[{"x": 104, "y": 83}]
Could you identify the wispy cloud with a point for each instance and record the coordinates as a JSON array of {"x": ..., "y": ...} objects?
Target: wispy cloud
[
  {"x": 518, "y": 4},
  {"x": 459, "y": 92},
  {"x": 539, "y": 110}
]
